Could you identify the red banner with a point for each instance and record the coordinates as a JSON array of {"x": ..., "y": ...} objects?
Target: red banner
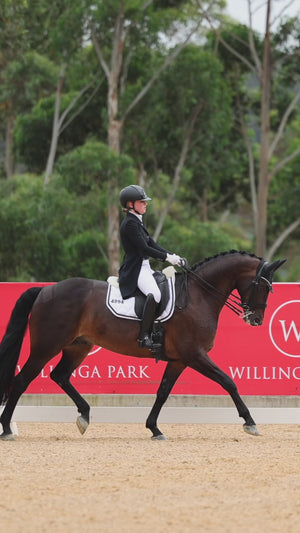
[{"x": 262, "y": 360}]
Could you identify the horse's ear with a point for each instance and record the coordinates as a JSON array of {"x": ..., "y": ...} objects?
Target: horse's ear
[{"x": 275, "y": 265}]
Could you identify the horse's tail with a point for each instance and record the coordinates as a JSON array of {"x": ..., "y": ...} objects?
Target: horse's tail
[{"x": 11, "y": 344}]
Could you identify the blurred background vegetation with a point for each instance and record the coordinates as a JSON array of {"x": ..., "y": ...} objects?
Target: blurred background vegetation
[{"x": 168, "y": 95}]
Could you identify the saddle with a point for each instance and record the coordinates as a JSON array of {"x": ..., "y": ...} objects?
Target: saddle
[{"x": 132, "y": 308}]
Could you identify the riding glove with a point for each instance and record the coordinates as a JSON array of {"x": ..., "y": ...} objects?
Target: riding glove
[{"x": 175, "y": 260}]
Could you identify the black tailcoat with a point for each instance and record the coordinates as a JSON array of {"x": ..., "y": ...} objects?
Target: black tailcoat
[{"x": 138, "y": 245}]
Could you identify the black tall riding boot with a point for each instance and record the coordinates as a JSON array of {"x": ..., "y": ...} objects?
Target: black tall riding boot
[{"x": 145, "y": 340}]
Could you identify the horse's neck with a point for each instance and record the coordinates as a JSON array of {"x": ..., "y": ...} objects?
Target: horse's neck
[{"x": 222, "y": 277}]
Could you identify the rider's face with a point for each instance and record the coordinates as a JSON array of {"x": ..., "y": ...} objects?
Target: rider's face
[{"x": 140, "y": 206}]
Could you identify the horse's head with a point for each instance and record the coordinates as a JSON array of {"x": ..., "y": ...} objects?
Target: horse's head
[{"x": 254, "y": 293}]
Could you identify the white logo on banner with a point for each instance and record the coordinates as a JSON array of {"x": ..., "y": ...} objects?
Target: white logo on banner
[{"x": 290, "y": 331}]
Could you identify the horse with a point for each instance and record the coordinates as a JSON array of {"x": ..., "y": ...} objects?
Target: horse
[{"x": 71, "y": 317}]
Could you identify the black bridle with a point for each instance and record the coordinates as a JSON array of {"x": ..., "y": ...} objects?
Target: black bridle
[
  {"x": 260, "y": 277},
  {"x": 233, "y": 302}
]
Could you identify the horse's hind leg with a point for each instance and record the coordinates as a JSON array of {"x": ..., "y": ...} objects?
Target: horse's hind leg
[
  {"x": 171, "y": 374},
  {"x": 29, "y": 372},
  {"x": 72, "y": 356},
  {"x": 208, "y": 368},
  {"x": 18, "y": 387}
]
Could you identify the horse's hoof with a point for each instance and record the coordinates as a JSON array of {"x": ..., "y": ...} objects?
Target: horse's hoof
[
  {"x": 159, "y": 437},
  {"x": 7, "y": 436},
  {"x": 82, "y": 424},
  {"x": 252, "y": 430}
]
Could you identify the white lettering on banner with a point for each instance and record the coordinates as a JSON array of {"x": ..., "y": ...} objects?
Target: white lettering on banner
[
  {"x": 138, "y": 372},
  {"x": 131, "y": 371},
  {"x": 264, "y": 373},
  {"x": 292, "y": 327},
  {"x": 85, "y": 372},
  {"x": 95, "y": 372},
  {"x": 117, "y": 372},
  {"x": 50, "y": 370},
  {"x": 111, "y": 370},
  {"x": 120, "y": 373}
]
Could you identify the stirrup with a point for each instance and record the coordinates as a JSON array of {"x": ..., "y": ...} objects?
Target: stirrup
[
  {"x": 146, "y": 342},
  {"x": 155, "y": 347}
]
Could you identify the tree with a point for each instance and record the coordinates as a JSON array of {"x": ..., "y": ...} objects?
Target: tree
[
  {"x": 115, "y": 29},
  {"x": 181, "y": 130},
  {"x": 21, "y": 33},
  {"x": 59, "y": 231},
  {"x": 23, "y": 82},
  {"x": 36, "y": 131},
  {"x": 87, "y": 172},
  {"x": 67, "y": 39},
  {"x": 62, "y": 120},
  {"x": 13, "y": 44},
  {"x": 266, "y": 64},
  {"x": 283, "y": 208}
]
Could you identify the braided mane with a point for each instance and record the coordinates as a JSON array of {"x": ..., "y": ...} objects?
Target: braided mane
[{"x": 221, "y": 254}]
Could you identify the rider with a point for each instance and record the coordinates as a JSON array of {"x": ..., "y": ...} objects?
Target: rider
[{"x": 135, "y": 271}]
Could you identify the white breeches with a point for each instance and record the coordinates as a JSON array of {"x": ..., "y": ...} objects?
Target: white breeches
[{"x": 146, "y": 282}]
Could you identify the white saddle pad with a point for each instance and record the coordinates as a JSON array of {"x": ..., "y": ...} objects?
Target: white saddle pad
[{"x": 125, "y": 308}]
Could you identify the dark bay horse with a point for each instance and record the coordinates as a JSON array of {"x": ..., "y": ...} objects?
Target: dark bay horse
[{"x": 71, "y": 316}]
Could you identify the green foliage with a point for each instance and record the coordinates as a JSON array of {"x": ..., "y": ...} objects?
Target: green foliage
[
  {"x": 33, "y": 135},
  {"x": 236, "y": 36},
  {"x": 93, "y": 165},
  {"x": 13, "y": 31},
  {"x": 86, "y": 255},
  {"x": 28, "y": 244},
  {"x": 58, "y": 231},
  {"x": 33, "y": 130},
  {"x": 195, "y": 240},
  {"x": 285, "y": 187},
  {"x": 26, "y": 80},
  {"x": 291, "y": 269},
  {"x": 61, "y": 230},
  {"x": 158, "y": 127},
  {"x": 43, "y": 231}
]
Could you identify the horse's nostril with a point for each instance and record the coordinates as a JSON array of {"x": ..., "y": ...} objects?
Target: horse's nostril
[{"x": 256, "y": 321}]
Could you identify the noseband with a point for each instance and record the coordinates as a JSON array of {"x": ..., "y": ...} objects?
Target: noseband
[{"x": 234, "y": 302}]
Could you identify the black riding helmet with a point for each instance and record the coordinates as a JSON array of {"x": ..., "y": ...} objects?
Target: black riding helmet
[{"x": 132, "y": 193}]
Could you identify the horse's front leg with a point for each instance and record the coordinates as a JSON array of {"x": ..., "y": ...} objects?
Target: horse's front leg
[
  {"x": 171, "y": 374},
  {"x": 208, "y": 368}
]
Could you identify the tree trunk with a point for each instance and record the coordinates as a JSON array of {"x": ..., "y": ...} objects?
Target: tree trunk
[
  {"x": 55, "y": 127},
  {"x": 281, "y": 238},
  {"x": 9, "y": 161},
  {"x": 114, "y": 136},
  {"x": 181, "y": 162},
  {"x": 264, "y": 178}
]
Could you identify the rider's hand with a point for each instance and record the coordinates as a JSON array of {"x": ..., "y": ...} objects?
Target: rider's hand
[
  {"x": 175, "y": 260},
  {"x": 183, "y": 262}
]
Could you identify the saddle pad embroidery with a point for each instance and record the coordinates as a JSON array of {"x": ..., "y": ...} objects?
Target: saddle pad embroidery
[{"x": 125, "y": 308}]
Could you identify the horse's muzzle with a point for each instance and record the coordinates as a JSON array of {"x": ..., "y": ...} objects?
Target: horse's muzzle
[
  {"x": 252, "y": 318},
  {"x": 256, "y": 321}
]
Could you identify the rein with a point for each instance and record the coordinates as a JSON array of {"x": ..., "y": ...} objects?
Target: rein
[{"x": 233, "y": 302}]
